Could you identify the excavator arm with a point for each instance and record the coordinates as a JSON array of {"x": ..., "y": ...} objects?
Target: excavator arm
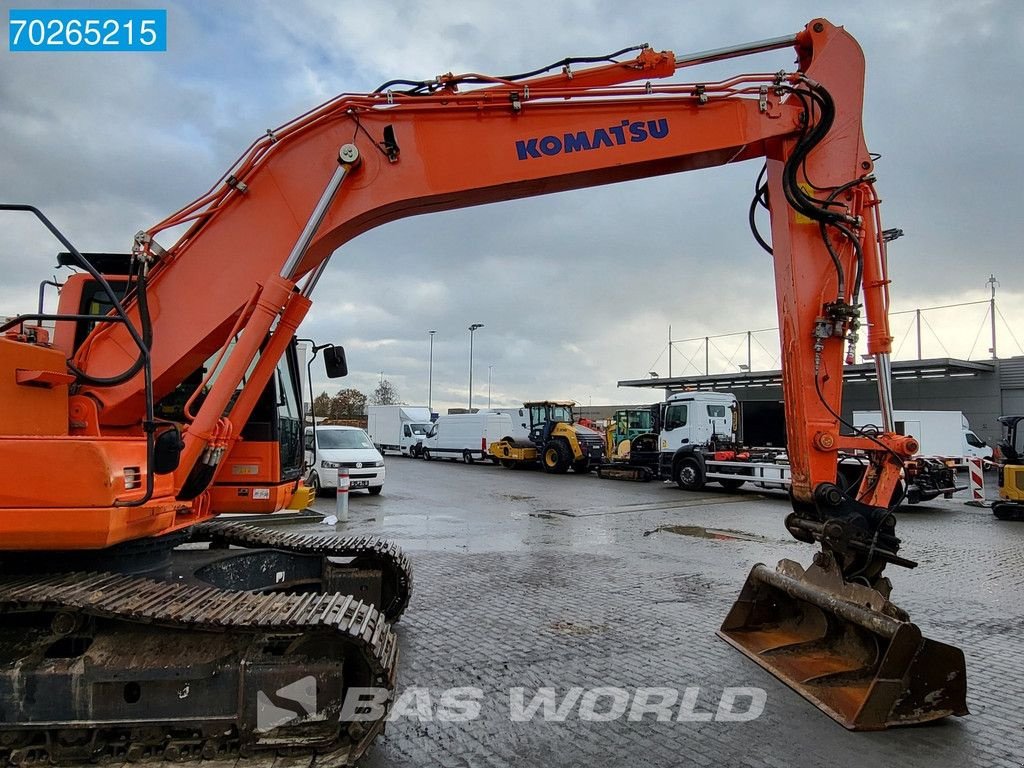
[
  {"x": 439, "y": 148},
  {"x": 241, "y": 278}
]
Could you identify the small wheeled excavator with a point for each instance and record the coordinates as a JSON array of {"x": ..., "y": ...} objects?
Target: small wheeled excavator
[
  {"x": 1010, "y": 505},
  {"x": 627, "y": 424}
]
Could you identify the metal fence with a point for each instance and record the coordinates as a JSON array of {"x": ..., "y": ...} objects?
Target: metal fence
[{"x": 969, "y": 330}]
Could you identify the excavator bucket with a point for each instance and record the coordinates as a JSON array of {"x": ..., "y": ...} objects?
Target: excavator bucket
[{"x": 845, "y": 648}]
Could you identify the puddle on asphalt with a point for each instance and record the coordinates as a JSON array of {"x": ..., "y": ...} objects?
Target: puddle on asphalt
[{"x": 721, "y": 534}]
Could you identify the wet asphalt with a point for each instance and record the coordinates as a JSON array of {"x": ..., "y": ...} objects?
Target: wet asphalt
[{"x": 527, "y": 581}]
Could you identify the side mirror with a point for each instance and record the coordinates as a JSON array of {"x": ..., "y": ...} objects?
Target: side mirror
[
  {"x": 335, "y": 363},
  {"x": 167, "y": 451}
]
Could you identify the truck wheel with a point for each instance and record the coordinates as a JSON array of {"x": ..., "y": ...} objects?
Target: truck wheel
[
  {"x": 467, "y": 457},
  {"x": 314, "y": 483},
  {"x": 581, "y": 467},
  {"x": 375, "y": 490},
  {"x": 557, "y": 457},
  {"x": 731, "y": 485},
  {"x": 426, "y": 454},
  {"x": 689, "y": 476}
]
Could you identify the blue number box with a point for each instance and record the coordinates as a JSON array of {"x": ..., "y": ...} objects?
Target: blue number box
[{"x": 87, "y": 30}]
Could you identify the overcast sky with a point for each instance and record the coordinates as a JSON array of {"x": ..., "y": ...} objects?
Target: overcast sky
[{"x": 576, "y": 291}]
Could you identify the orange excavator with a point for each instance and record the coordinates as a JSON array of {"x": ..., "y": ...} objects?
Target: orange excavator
[{"x": 137, "y": 623}]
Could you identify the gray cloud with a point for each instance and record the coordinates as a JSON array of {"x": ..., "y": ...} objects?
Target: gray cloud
[{"x": 575, "y": 290}]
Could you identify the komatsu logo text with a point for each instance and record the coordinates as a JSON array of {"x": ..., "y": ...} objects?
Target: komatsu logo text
[{"x": 626, "y": 132}]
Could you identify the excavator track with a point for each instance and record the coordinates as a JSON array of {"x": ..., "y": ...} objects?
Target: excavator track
[
  {"x": 215, "y": 675},
  {"x": 388, "y": 557}
]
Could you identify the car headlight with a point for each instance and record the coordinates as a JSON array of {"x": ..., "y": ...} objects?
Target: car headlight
[
  {"x": 330, "y": 464},
  {"x": 379, "y": 463}
]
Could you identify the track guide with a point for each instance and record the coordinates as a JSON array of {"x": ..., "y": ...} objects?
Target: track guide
[
  {"x": 366, "y": 550},
  {"x": 87, "y": 605}
]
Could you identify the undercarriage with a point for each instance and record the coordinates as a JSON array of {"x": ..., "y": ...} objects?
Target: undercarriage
[{"x": 235, "y": 642}]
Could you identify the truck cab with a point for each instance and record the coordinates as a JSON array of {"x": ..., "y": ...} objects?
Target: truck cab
[{"x": 696, "y": 419}]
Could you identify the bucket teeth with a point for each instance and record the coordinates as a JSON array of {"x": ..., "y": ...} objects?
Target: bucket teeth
[{"x": 844, "y": 647}]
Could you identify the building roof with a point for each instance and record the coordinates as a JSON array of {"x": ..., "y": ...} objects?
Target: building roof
[{"x": 942, "y": 367}]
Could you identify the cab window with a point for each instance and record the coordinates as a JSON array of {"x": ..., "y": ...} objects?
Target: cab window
[
  {"x": 675, "y": 416},
  {"x": 561, "y": 413},
  {"x": 716, "y": 411},
  {"x": 538, "y": 415},
  {"x": 975, "y": 441}
]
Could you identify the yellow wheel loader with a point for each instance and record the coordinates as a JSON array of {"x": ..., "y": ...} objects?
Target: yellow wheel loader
[{"x": 555, "y": 441}]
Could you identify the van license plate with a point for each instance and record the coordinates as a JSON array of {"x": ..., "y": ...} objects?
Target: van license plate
[{"x": 360, "y": 483}]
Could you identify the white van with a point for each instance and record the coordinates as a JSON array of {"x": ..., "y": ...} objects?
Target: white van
[
  {"x": 465, "y": 436},
  {"x": 520, "y": 422},
  {"x": 332, "y": 447}
]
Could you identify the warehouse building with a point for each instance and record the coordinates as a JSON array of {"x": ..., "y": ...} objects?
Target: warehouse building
[{"x": 983, "y": 390}]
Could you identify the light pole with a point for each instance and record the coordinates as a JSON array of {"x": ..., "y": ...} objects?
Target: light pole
[
  {"x": 489, "y": 369},
  {"x": 992, "y": 311},
  {"x": 430, "y": 374},
  {"x": 472, "y": 328}
]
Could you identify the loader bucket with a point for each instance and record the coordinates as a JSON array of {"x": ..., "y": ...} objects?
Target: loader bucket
[{"x": 845, "y": 648}]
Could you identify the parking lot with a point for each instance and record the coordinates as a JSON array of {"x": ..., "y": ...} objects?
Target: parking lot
[{"x": 530, "y": 581}]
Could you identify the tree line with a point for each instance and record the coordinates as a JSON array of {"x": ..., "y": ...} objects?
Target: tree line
[{"x": 351, "y": 403}]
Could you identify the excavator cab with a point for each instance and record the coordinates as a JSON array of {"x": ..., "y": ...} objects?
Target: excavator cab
[
  {"x": 628, "y": 424},
  {"x": 262, "y": 471},
  {"x": 1010, "y": 505}
]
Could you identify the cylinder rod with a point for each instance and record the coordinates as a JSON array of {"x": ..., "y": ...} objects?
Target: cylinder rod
[
  {"x": 884, "y": 372},
  {"x": 733, "y": 51},
  {"x": 347, "y": 160},
  {"x": 314, "y": 278}
]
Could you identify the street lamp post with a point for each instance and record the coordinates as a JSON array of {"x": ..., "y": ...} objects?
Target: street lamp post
[
  {"x": 430, "y": 374},
  {"x": 472, "y": 329},
  {"x": 489, "y": 369}
]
